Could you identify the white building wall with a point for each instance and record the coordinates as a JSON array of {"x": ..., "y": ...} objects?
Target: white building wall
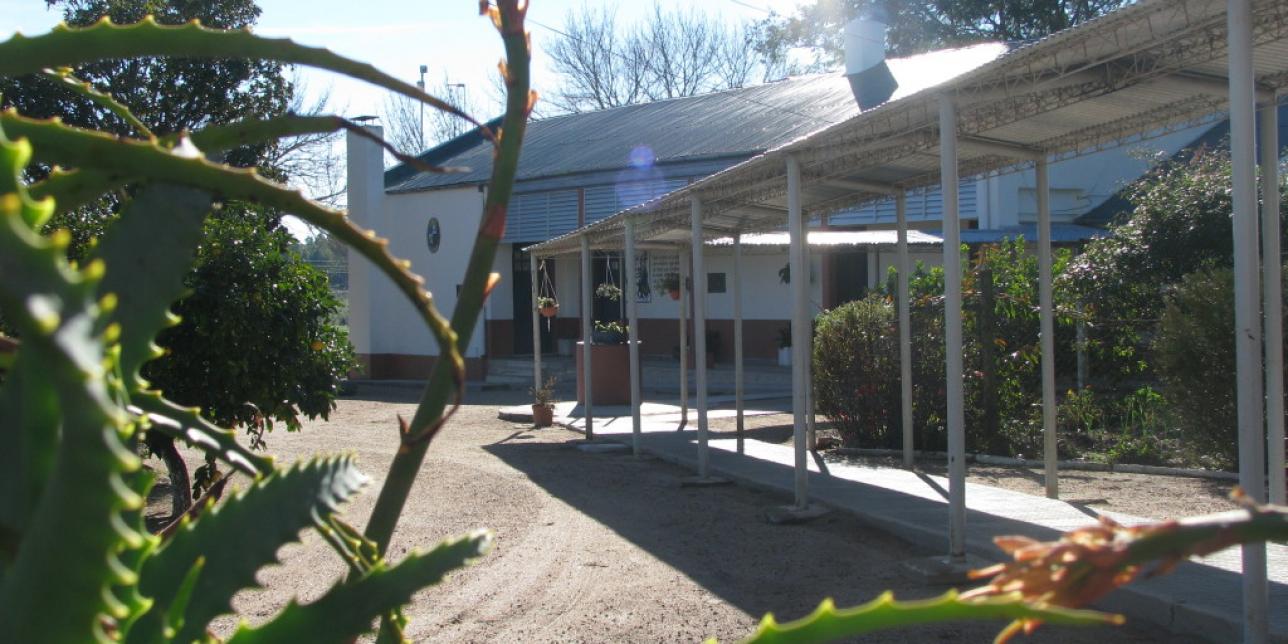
[{"x": 396, "y": 327}]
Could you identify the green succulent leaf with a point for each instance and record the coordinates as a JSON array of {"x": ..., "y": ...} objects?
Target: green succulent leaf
[
  {"x": 76, "y": 526},
  {"x": 144, "y": 276},
  {"x": 186, "y": 424},
  {"x": 64, "y": 78},
  {"x": 828, "y": 623},
  {"x": 275, "y": 510},
  {"x": 138, "y": 160},
  {"x": 70, "y": 46},
  {"x": 348, "y": 609}
]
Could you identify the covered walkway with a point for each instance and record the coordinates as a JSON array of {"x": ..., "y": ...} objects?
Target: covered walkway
[{"x": 1150, "y": 68}]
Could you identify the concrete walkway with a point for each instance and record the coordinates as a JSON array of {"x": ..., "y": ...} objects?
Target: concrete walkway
[{"x": 1202, "y": 598}]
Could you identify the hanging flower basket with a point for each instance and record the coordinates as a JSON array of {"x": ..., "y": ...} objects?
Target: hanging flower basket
[{"x": 547, "y": 306}]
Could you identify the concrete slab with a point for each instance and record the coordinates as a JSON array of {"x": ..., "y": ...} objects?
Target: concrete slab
[
  {"x": 703, "y": 481},
  {"x": 1199, "y": 599},
  {"x": 604, "y": 448},
  {"x": 791, "y": 515},
  {"x": 946, "y": 571}
]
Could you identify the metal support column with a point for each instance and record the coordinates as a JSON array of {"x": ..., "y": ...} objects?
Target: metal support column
[
  {"x": 1272, "y": 272},
  {"x": 1047, "y": 327},
  {"x": 737, "y": 337},
  {"x": 632, "y": 318},
  {"x": 811, "y": 437},
  {"x": 1247, "y": 306},
  {"x": 536, "y": 324},
  {"x": 905, "y": 328},
  {"x": 700, "y": 333},
  {"x": 800, "y": 326},
  {"x": 587, "y": 374},
  {"x": 684, "y": 338},
  {"x": 953, "y": 330}
]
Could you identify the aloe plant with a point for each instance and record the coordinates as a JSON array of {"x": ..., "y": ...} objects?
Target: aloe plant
[{"x": 76, "y": 563}]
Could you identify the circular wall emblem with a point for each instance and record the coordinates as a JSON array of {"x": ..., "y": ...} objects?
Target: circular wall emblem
[{"x": 433, "y": 234}]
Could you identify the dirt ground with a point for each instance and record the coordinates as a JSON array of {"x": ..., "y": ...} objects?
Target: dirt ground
[
  {"x": 1167, "y": 497},
  {"x": 595, "y": 547}
]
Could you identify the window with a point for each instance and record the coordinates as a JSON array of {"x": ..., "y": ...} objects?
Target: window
[{"x": 715, "y": 282}]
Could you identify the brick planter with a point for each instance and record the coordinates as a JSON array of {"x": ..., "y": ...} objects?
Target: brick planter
[{"x": 611, "y": 366}]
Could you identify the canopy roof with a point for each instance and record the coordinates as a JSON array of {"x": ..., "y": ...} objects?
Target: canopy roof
[{"x": 1148, "y": 69}]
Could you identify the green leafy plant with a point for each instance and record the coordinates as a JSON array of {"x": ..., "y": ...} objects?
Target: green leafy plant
[
  {"x": 856, "y": 371},
  {"x": 611, "y": 292},
  {"x": 546, "y": 302},
  {"x": 544, "y": 395},
  {"x": 669, "y": 282},
  {"x": 612, "y": 332},
  {"x": 73, "y": 408}
]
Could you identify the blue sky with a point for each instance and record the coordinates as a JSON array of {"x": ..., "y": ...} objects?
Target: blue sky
[{"x": 448, "y": 36}]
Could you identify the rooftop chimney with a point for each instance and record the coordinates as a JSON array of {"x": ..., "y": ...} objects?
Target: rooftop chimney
[{"x": 865, "y": 64}]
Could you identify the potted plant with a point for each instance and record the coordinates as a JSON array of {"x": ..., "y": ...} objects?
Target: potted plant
[
  {"x": 614, "y": 332},
  {"x": 670, "y": 282},
  {"x": 547, "y": 306},
  {"x": 785, "y": 347},
  {"x": 543, "y": 403},
  {"x": 609, "y": 291}
]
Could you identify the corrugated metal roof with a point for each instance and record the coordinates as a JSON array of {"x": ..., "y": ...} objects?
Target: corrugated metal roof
[
  {"x": 1060, "y": 234},
  {"x": 720, "y": 124},
  {"x": 1153, "y": 67}
]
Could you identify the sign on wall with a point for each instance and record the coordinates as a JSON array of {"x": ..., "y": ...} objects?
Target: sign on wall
[{"x": 433, "y": 234}]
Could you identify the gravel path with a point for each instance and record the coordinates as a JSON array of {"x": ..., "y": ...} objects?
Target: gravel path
[{"x": 596, "y": 548}]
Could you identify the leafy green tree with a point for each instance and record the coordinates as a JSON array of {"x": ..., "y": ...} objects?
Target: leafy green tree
[
  {"x": 921, "y": 25},
  {"x": 251, "y": 349},
  {"x": 1179, "y": 224}
]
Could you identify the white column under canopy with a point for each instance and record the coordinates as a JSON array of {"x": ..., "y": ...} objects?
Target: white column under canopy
[
  {"x": 536, "y": 323},
  {"x": 587, "y": 316},
  {"x": 1272, "y": 272},
  {"x": 737, "y": 337},
  {"x": 953, "y": 330},
  {"x": 684, "y": 337},
  {"x": 800, "y": 327},
  {"x": 631, "y": 293},
  {"x": 1247, "y": 306},
  {"x": 1047, "y": 329},
  {"x": 700, "y": 333},
  {"x": 905, "y": 327}
]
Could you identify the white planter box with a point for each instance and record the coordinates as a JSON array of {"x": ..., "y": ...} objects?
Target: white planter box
[{"x": 784, "y": 356}]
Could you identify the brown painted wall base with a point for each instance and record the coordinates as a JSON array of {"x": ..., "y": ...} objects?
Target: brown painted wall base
[
  {"x": 400, "y": 366},
  {"x": 611, "y": 366}
]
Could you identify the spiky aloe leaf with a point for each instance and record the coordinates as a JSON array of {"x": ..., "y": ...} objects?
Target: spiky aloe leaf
[
  {"x": 139, "y": 160},
  {"x": 348, "y": 609},
  {"x": 828, "y": 623},
  {"x": 70, "y": 46},
  {"x": 63, "y": 78},
  {"x": 274, "y": 510},
  {"x": 72, "y": 189},
  {"x": 148, "y": 252},
  {"x": 67, "y": 556},
  {"x": 186, "y": 424}
]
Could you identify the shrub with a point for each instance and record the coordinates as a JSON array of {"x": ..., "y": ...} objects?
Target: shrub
[
  {"x": 856, "y": 371},
  {"x": 1194, "y": 352}
]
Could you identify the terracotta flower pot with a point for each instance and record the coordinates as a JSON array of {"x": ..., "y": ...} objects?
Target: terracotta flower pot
[
  {"x": 550, "y": 311},
  {"x": 675, "y": 295},
  {"x": 543, "y": 415}
]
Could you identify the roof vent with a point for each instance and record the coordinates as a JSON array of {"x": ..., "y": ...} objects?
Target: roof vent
[{"x": 865, "y": 63}]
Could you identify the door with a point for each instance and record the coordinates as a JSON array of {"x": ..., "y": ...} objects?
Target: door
[
  {"x": 849, "y": 276},
  {"x": 523, "y": 301}
]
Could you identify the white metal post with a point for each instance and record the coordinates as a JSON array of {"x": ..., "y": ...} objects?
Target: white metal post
[
  {"x": 536, "y": 324},
  {"x": 632, "y": 319},
  {"x": 1273, "y": 296},
  {"x": 737, "y": 336},
  {"x": 807, "y": 367},
  {"x": 587, "y": 315},
  {"x": 1247, "y": 309},
  {"x": 905, "y": 328},
  {"x": 684, "y": 338},
  {"x": 800, "y": 326},
  {"x": 700, "y": 333},
  {"x": 953, "y": 330},
  {"x": 1047, "y": 327}
]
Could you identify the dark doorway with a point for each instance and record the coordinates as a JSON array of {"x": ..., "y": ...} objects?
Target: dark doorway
[
  {"x": 607, "y": 268},
  {"x": 523, "y": 301},
  {"x": 849, "y": 276}
]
